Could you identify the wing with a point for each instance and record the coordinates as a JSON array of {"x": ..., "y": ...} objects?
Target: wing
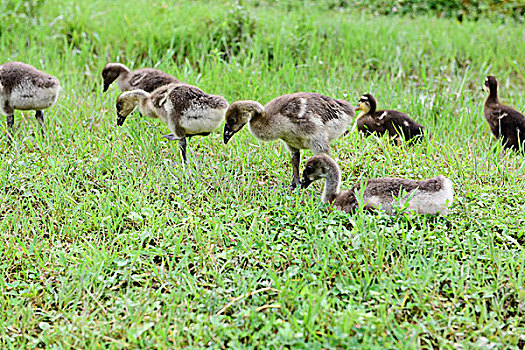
[
  {"x": 387, "y": 187},
  {"x": 505, "y": 121},
  {"x": 308, "y": 107},
  {"x": 511, "y": 126},
  {"x": 148, "y": 79},
  {"x": 399, "y": 123}
]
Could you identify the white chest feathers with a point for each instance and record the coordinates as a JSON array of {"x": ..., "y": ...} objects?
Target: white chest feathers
[{"x": 27, "y": 96}]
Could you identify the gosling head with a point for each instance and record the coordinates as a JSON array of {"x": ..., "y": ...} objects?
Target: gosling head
[
  {"x": 367, "y": 104},
  {"x": 490, "y": 85},
  {"x": 238, "y": 115},
  {"x": 126, "y": 103},
  {"x": 111, "y": 72},
  {"x": 317, "y": 167}
]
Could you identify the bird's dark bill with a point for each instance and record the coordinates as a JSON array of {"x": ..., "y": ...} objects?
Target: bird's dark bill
[
  {"x": 305, "y": 182},
  {"x": 120, "y": 120},
  {"x": 228, "y": 133}
]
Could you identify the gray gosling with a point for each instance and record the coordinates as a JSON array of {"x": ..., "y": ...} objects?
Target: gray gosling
[
  {"x": 301, "y": 120},
  {"x": 24, "y": 87},
  {"x": 147, "y": 79},
  {"x": 432, "y": 196},
  {"x": 186, "y": 109},
  {"x": 505, "y": 122}
]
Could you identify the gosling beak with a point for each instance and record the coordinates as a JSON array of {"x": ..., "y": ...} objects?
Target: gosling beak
[
  {"x": 106, "y": 87},
  {"x": 358, "y": 108},
  {"x": 305, "y": 182},
  {"x": 120, "y": 119},
  {"x": 228, "y": 133}
]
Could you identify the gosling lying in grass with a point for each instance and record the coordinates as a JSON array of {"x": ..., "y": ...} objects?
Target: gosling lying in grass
[{"x": 432, "y": 196}]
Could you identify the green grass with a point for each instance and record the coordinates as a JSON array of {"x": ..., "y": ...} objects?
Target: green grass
[{"x": 108, "y": 242}]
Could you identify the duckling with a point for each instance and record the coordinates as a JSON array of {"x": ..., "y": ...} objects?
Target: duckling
[
  {"x": 397, "y": 124},
  {"x": 24, "y": 87},
  {"x": 505, "y": 122},
  {"x": 302, "y": 120},
  {"x": 187, "y": 110},
  {"x": 147, "y": 79},
  {"x": 432, "y": 196}
]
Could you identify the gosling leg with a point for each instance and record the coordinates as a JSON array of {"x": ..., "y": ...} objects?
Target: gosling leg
[
  {"x": 11, "y": 122},
  {"x": 40, "y": 118},
  {"x": 182, "y": 145},
  {"x": 296, "y": 159}
]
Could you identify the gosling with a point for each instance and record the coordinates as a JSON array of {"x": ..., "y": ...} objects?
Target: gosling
[
  {"x": 301, "y": 120},
  {"x": 147, "y": 79},
  {"x": 432, "y": 196},
  {"x": 24, "y": 87},
  {"x": 505, "y": 122},
  {"x": 187, "y": 110},
  {"x": 396, "y": 124}
]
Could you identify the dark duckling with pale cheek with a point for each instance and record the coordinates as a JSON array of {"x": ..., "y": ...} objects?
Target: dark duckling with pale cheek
[
  {"x": 432, "y": 196},
  {"x": 301, "y": 120},
  {"x": 24, "y": 87},
  {"x": 147, "y": 79},
  {"x": 505, "y": 122},
  {"x": 187, "y": 110},
  {"x": 395, "y": 123}
]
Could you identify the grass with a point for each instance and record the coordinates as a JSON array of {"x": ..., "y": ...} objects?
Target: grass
[{"x": 108, "y": 242}]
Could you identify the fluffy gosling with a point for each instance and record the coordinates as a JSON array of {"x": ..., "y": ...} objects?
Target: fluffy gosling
[
  {"x": 432, "y": 196},
  {"x": 187, "y": 110},
  {"x": 24, "y": 87},
  {"x": 147, "y": 79},
  {"x": 301, "y": 120}
]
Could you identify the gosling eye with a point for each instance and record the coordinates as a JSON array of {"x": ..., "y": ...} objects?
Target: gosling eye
[
  {"x": 309, "y": 169},
  {"x": 119, "y": 106}
]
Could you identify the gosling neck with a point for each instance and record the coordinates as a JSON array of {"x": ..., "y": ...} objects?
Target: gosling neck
[
  {"x": 258, "y": 114},
  {"x": 146, "y": 106},
  {"x": 332, "y": 185},
  {"x": 259, "y": 125},
  {"x": 122, "y": 77},
  {"x": 143, "y": 100}
]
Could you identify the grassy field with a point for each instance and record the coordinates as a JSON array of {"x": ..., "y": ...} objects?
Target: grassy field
[{"x": 108, "y": 242}]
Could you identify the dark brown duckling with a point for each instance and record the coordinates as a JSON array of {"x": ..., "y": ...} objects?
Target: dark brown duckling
[
  {"x": 505, "y": 122},
  {"x": 395, "y": 123},
  {"x": 147, "y": 79},
  {"x": 431, "y": 196},
  {"x": 24, "y": 87}
]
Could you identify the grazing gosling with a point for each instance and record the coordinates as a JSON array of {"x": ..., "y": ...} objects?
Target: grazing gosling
[
  {"x": 397, "y": 124},
  {"x": 432, "y": 196},
  {"x": 147, "y": 79},
  {"x": 24, "y": 87},
  {"x": 505, "y": 122},
  {"x": 301, "y": 120},
  {"x": 187, "y": 110}
]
